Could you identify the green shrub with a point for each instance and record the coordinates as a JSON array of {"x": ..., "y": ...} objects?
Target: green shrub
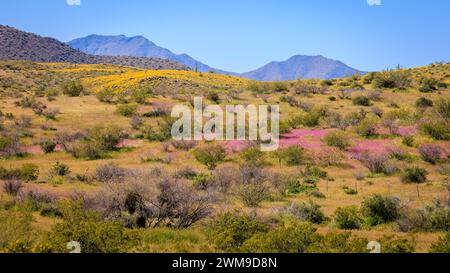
[
  {"x": 87, "y": 228},
  {"x": 442, "y": 108},
  {"x": 210, "y": 155},
  {"x": 337, "y": 139},
  {"x": 309, "y": 212},
  {"x": 390, "y": 244},
  {"x": 229, "y": 231},
  {"x": 16, "y": 227},
  {"x": 339, "y": 243},
  {"x": 424, "y": 103},
  {"x": 379, "y": 209},
  {"x": 400, "y": 79},
  {"x": 428, "y": 85},
  {"x": 106, "y": 137},
  {"x": 442, "y": 245},
  {"x": 293, "y": 155},
  {"x": 291, "y": 238},
  {"x": 127, "y": 110},
  {"x": 254, "y": 156},
  {"x": 348, "y": 218},
  {"x": 362, "y": 101},
  {"x": 408, "y": 141},
  {"x": 201, "y": 181},
  {"x": 436, "y": 129},
  {"x": 29, "y": 172},
  {"x": 106, "y": 95},
  {"x": 253, "y": 194},
  {"x": 414, "y": 175},
  {"x": 60, "y": 169},
  {"x": 48, "y": 146},
  {"x": 73, "y": 89},
  {"x": 367, "y": 127}
]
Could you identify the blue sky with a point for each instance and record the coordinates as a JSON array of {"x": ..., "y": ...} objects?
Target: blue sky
[{"x": 242, "y": 35}]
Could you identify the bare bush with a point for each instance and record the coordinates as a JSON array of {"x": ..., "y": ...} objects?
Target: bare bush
[
  {"x": 376, "y": 163},
  {"x": 177, "y": 206},
  {"x": 110, "y": 172},
  {"x": 12, "y": 187},
  {"x": 184, "y": 145}
]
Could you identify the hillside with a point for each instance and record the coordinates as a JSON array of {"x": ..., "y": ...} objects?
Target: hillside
[
  {"x": 305, "y": 67},
  {"x": 135, "y": 46},
  {"x": 19, "y": 45}
]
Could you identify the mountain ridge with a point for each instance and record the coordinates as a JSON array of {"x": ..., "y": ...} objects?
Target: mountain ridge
[
  {"x": 298, "y": 66},
  {"x": 19, "y": 45}
]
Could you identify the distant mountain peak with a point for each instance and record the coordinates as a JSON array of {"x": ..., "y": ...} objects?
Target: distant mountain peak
[{"x": 302, "y": 66}]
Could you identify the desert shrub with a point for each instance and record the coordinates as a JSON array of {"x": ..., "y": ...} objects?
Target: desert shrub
[
  {"x": 362, "y": 101},
  {"x": 359, "y": 175},
  {"x": 433, "y": 217},
  {"x": 214, "y": 97},
  {"x": 253, "y": 155},
  {"x": 229, "y": 231},
  {"x": 293, "y": 156},
  {"x": 337, "y": 139},
  {"x": 377, "y": 111},
  {"x": 390, "y": 244},
  {"x": 177, "y": 206},
  {"x": 106, "y": 95},
  {"x": 107, "y": 137},
  {"x": 304, "y": 88},
  {"x": 374, "y": 95},
  {"x": 87, "y": 228},
  {"x": 86, "y": 149},
  {"x": 376, "y": 163},
  {"x": 73, "y": 89},
  {"x": 338, "y": 243},
  {"x": 60, "y": 169},
  {"x": 9, "y": 144},
  {"x": 201, "y": 181},
  {"x": 379, "y": 209},
  {"x": 442, "y": 108},
  {"x": 424, "y": 103},
  {"x": 367, "y": 127},
  {"x": 16, "y": 227},
  {"x": 309, "y": 212},
  {"x": 184, "y": 145},
  {"x": 48, "y": 146},
  {"x": 428, "y": 85},
  {"x": 252, "y": 194},
  {"x": 408, "y": 141},
  {"x": 29, "y": 172},
  {"x": 348, "y": 218},
  {"x": 12, "y": 187},
  {"x": 400, "y": 79},
  {"x": 156, "y": 113},
  {"x": 110, "y": 172},
  {"x": 431, "y": 153},
  {"x": 136, "y": 122},
  {"x": 291, "y": 238},
  {"x": 224, "y": 176},
  {"x": 414, "y": 175},
  {"x": 210, "y": 155},
  {"x": 442, "y": 245},
  {"x": 127, "y": 110},
  {"x": 437, "y": 129}
]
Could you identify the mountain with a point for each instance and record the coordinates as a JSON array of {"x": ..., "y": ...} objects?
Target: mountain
[
  {"x": 135, "y": 46},
  {"x": 305, "y": 67},
  {"x": 297, "y": 66},
  {"x": 19, "y": 45}
]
